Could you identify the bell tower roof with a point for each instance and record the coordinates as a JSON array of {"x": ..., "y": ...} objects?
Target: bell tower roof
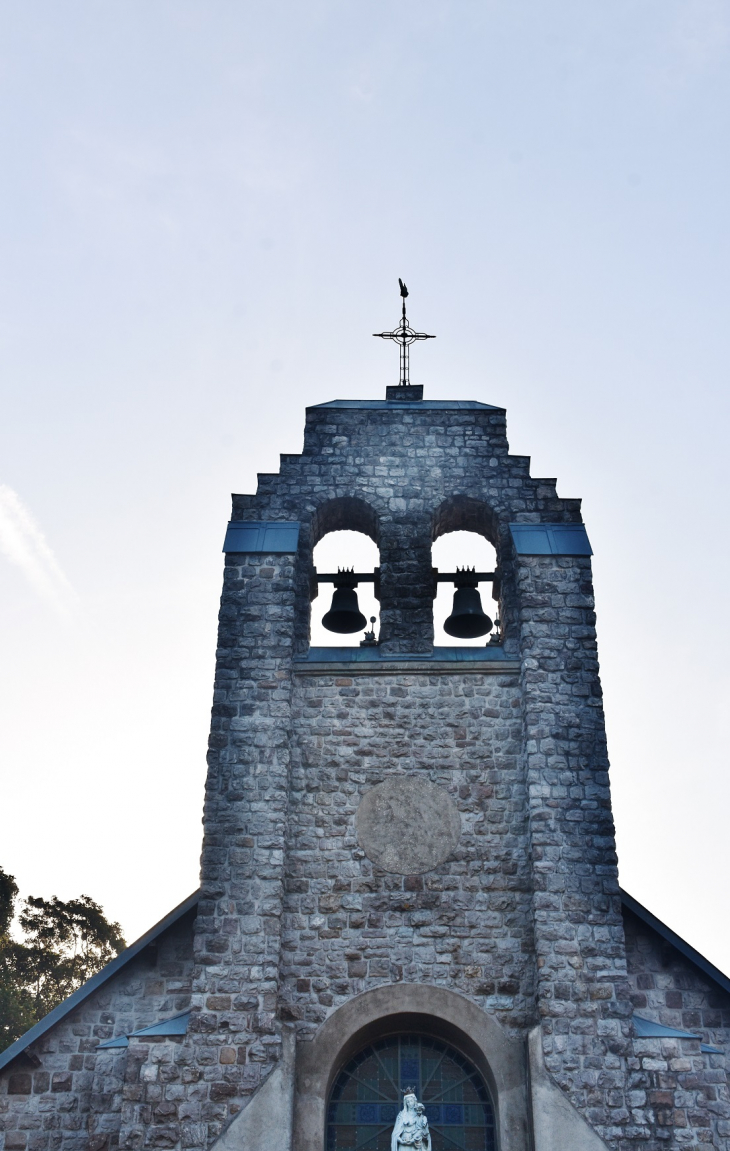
[{"x": 413, "y": 405}]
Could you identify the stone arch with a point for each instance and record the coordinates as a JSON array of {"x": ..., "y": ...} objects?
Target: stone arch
[
  {"x": 345, "y": 513},
  {"x": 434, "y": 1011},
  {"x": 461, "y": 513}
]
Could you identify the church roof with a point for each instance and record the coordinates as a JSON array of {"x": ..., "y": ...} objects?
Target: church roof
[{"x": 101, "y": 977}]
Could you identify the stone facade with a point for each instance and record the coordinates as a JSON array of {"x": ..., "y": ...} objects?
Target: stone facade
[
  {"x": 64, "y": 1095},
  {"x": 298, "y": 923},
  {"x": 349, "y": 925}
]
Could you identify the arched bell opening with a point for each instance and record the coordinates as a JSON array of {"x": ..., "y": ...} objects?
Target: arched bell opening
[
  {"x": 465, "y": 613},
  {"x": 465, "y": 531},
  {"x": 345, "y": 610}
]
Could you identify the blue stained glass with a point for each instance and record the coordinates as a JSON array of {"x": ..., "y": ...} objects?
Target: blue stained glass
[
  {"x": 409, "y": 1072},
  {"x": 453, "y": 1113},
  {"x": 368, "y": 1094}
]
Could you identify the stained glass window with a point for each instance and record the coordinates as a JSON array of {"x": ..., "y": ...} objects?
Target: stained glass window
[{"x": 368, "y": 1094}]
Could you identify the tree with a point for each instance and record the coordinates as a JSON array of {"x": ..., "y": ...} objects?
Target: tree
[
  {"x": 16, "y": 1009},
  {"x": 64, "y": 944},
  {"x": 8, "y": 895}
]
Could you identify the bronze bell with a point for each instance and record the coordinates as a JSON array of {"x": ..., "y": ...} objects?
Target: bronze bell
[
  {"x": 467, "y": 620},
  {"x": 344, "y": 616}
]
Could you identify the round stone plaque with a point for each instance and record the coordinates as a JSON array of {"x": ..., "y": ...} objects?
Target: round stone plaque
[{"x": 407, "y": 825}]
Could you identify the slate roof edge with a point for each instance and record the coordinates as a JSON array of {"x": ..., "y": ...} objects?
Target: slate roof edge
[
  {"x": 408, "y": 405},
  {"x": 48, "y": 1021},
  {"x": 676, "y": 941}
]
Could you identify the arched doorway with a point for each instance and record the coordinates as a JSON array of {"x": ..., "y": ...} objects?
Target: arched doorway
[{"x": 368, "y": 1092}]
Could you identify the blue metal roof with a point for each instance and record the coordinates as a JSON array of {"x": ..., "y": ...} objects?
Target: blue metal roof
[
  {"x": 262, "y": 536},
  {"x": 408, "y": 405},
  {"x": 175, "y": 1025},
  {"x": 97, "y": 981},
  {"x": 550, "y": 540}
]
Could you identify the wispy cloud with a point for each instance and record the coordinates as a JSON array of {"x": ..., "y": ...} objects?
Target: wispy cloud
[{"x": 24, "y": 544}]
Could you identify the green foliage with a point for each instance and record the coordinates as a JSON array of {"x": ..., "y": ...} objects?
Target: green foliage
[
  {"x": 8, "y": 895},
  {"x": 64, "y": 944},
  {"x": 16, "y": 1006}
]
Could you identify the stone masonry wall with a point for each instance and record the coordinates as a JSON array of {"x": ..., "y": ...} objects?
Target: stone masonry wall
[
  {"x": 582, "y": 989},
  {"x": 678, "y": 1095},
  {"x": 349, "y": 925},
  {"x": 69, "y": 1097},
  {"x": 237, "y": 944}
]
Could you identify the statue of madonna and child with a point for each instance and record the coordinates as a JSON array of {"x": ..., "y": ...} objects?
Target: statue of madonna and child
[{"x": 411, "y": 1131}]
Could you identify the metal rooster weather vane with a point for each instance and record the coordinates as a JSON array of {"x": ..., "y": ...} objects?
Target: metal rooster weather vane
[{"x": 404, "y": 335}]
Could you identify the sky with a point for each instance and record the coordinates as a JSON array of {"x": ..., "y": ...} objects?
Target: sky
[{"x": 204, "y": 210}]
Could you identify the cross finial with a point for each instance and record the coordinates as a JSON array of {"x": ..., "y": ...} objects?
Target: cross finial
[{"x": 404, "y": 335}]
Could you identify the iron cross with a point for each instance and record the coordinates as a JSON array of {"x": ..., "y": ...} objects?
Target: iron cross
[{"x": 404, "y": 335}]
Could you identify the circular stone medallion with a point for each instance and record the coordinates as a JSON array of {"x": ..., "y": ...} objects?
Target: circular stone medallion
[{"x": 407, "y": 825}]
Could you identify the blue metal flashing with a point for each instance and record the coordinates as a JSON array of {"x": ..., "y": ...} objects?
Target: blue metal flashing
[
  {"x": 374, "y": 655},
  {"x": 97, "y": 981},
  {"x": 648, "y": 1029},
  {"x": 119, "y": 1041},
  {"x": 175, "y": 1025},
  {"x": 408, "y": 405},
  {"x": 550, "y": 540},
  {"x": 676, "y": 941},
  {"x": 257, "y": 536}
]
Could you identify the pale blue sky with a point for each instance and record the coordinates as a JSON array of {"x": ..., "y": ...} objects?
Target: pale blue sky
[{"x": 205, "y": 209}]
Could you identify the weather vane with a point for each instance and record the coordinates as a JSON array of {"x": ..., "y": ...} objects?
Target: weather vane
[{"x": 404, "y": 335}]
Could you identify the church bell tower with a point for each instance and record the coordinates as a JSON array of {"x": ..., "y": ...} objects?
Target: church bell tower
[
  {"x": 409, "y": 934},
  {"x": 409, "y": 873}
]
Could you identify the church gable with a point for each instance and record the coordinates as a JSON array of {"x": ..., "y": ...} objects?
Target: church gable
[
  {"x": 678, "y": 1081},
  {"x": 669, "y": 988},
  {"x": 66, "y": 1071}
]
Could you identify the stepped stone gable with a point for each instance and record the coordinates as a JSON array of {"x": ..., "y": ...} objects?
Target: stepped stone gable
[{"x": 309, "y": 940}]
